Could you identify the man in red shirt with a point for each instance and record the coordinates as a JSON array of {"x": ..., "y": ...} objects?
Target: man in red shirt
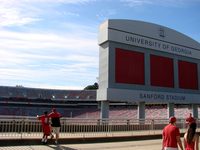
[
  {"x": 55, "y": 123},
  {"x": 171, "y": 136}
]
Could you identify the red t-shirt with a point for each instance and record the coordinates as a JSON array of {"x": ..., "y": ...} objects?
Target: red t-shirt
[
  {"x": 45, "y": 124},
  {"x": 190, "y": 146},
  {"x": 170, "y": 132},
  {"x": 44, "y": 119},
  {"x": 54, "y": 115},
  {"x": 55, "y": 119}
]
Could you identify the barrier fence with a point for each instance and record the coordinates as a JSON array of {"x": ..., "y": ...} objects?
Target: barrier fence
[{"x": 30, "y": 127}]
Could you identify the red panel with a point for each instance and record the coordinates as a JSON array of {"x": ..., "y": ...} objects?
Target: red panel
[
  {"x": 129, "y": 67},
  {"x": 188, "y": 75},
  {"x": 161, "y": 71}
]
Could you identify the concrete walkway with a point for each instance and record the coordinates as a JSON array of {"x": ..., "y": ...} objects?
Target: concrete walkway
[{"x": 130, "y": 145}]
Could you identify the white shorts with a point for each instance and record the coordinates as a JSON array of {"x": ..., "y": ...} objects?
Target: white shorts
[
  {"x": 170, "y": 148},
  {"x": 56, "y": 130}
]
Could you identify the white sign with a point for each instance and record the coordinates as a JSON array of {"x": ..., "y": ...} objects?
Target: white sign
[
  {"x": 149, "y": 96},
  {"x": 137, "y": 40}
]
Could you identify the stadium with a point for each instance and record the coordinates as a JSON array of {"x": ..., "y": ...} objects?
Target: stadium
[
  {"x": 146, "y": 71},
  {"x": 21, "y": 101}
]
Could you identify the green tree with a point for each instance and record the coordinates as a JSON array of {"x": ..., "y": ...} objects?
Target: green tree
[{"x": 92, "y": 87}]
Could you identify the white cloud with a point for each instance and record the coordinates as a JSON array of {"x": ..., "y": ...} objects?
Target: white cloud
[
  {"x": 64, "y": 1},
  {"x": 53, "y": 59},
  {"x": 46, "y": 41},
  {"x": 105, "y": 14},
  {"x": 45, "y": 58},
  {"x": 177, "y": 3},
  {"x": 22, "y": 12},
  {"x": 15, "y": 12},
  {"x": 11, "y": 17},
  {"x": 12, "y": 77},
  {"x": 132, "y": 3}
]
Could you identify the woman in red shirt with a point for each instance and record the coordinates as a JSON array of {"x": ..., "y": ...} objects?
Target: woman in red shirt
[{"x": 191, "y": 138}]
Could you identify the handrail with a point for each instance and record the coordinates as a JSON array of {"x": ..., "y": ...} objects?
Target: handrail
[{"x": 26, "y": 127}]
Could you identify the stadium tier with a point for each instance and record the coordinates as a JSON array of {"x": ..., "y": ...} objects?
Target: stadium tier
[{"x": 21, "y": 101}]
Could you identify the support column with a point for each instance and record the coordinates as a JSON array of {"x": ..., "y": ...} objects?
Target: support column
[
  {"x": 198, "y": 74},
  {"x": 104, "y": 110},
  {"x": 141, "y": 110},
  {"x": 176, "y": 81},
  {"x": 147, "y": 68},
  {"x": 170, "y": 109},
  {"x": 195, "y": 110}
]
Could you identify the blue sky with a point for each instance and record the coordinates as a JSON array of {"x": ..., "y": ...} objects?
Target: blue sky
[{"x": 53, "y": 43}]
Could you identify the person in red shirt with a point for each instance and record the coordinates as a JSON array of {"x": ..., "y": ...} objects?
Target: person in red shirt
[
  {"x": 171, "y": 136},
  {"x": 190, "y": 119},
  {"x": 55, "y": 123},
  {"x": 45, "y": 126},
  {"x": 191, "y": 138}
]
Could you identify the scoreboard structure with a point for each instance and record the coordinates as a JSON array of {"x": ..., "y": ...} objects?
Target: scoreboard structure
[{"x": 142, "y": 62}]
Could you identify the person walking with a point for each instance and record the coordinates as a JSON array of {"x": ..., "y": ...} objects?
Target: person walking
[
  {"x": 189, "y": 120},
  {"x": 45, "y": 126},
  {"x": 191, "y": 138},
  {"x": 55, "y": 123},
  {"x": 171, "y": 136}
]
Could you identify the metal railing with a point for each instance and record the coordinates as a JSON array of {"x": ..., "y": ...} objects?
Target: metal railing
[{"x": 30, "y": 127}]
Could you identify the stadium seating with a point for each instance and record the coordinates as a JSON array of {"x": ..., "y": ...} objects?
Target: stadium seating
[
  {"x": 182, "y": 111},
  {"x": 75, "y": 104},
  {"x": 156, "y": 111}
]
